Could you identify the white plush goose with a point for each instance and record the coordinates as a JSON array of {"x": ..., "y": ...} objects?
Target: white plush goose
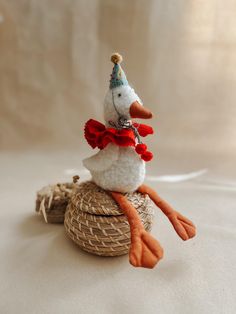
[
  {"x": 120, "y": 170},
  {"x": 117, "y": 168}
]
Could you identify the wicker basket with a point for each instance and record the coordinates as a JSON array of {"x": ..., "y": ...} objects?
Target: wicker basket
[
  {"x": 94, "y": 221},
  {"x": 52, "y": 201}
]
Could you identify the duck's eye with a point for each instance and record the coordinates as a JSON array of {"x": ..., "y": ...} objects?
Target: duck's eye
[{"x": 119, "y": 95}]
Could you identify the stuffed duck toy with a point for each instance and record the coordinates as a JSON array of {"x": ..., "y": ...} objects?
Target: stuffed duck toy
[{"x": 119, "y": 165}]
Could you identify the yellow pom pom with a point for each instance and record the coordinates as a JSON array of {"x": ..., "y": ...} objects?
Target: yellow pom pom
[{"x": 116, "y": 58}]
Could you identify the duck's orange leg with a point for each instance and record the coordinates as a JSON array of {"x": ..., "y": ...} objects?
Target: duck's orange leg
[
  {"x": 183, "y": 226},
  {"x": 145, "y": 251}
]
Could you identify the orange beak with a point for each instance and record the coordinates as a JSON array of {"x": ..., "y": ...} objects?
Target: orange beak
[{"x": 138, "y": 111}]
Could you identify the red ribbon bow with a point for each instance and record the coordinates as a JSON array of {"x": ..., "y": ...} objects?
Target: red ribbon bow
[{"x": 97, "y": 135}]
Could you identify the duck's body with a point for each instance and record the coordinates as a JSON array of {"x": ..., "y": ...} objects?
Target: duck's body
[{"x": 117, "y": 168}]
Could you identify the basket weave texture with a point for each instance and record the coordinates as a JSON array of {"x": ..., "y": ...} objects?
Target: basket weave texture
[{"x": 94, "y": 221}]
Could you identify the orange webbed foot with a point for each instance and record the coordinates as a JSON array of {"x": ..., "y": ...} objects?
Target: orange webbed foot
[
  {"x": 182, "y": 225},
  {"x": 145, "y": 251}
]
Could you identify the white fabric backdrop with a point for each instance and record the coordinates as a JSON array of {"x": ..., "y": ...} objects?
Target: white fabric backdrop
[{"x": 54, "y": 71}]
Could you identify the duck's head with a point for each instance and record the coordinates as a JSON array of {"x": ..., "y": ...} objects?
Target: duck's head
[{"x": 121, "y": 101}]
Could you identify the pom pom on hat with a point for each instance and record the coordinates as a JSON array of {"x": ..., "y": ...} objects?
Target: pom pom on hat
[
  {"x": 116, "y": 58},
  {"x": 118, "y": 76}
]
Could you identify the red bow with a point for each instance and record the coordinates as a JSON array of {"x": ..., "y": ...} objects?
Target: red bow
[{"x": 97, "y": 135}]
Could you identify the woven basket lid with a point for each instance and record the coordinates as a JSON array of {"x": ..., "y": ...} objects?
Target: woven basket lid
[{"x": 92, "y": 199}]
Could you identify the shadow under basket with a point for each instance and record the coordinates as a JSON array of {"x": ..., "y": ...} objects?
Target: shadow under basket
[{"x": 95, "y": 222}]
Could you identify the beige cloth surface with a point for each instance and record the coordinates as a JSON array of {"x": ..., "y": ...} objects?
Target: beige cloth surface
[
  {"x": 44, "y": 272},
  {"x": 54, "y": 71}
]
